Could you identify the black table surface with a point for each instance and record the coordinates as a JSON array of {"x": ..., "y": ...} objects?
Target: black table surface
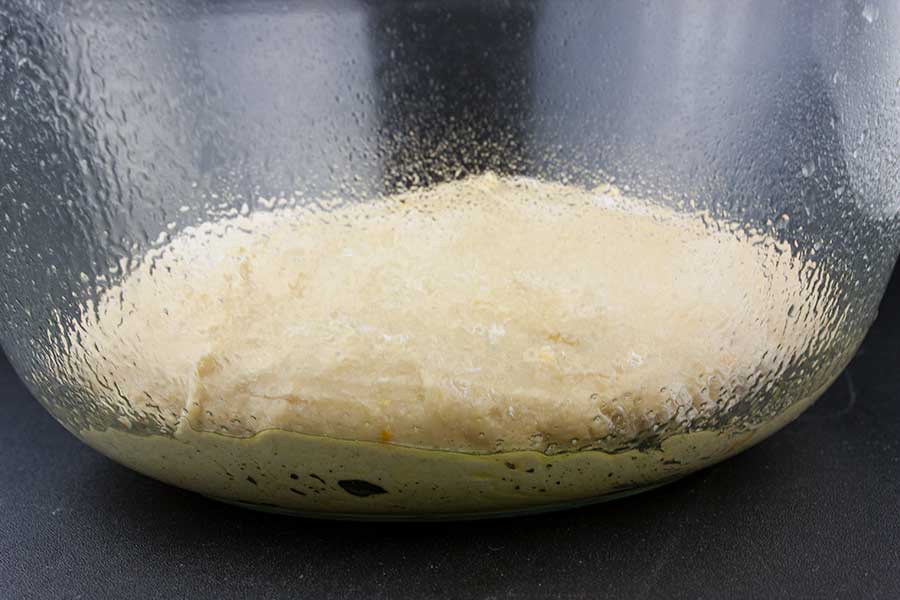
[{"x": 813, "y": 511}]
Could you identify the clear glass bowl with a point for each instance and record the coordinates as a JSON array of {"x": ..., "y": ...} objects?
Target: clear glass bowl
[{"x": 440, "y": 259}]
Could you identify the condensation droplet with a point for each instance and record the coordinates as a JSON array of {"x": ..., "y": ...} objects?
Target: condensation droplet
[
  {"x": 870, "y": 13},
  {"x": 782, "y": 222}
]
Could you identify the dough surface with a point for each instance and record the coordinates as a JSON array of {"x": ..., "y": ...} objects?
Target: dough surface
[{"x": 482, "y": 315}]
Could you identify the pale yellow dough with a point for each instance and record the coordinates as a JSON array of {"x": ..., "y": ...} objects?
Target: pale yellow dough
[{"x": 479, "y": 316}]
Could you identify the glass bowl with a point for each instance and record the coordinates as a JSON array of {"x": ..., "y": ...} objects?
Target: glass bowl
[{"x": 440, "y": 259}]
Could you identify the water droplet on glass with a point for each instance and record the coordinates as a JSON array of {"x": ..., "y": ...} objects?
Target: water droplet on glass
[
  {"x": 870, "y": 13},
  {"x": 782, "y": 222}
]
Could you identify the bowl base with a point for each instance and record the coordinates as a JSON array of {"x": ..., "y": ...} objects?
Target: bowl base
[{"x": 439, "y": 517}]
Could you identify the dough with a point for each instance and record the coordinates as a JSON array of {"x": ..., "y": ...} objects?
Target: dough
[{"x": 480, "y": 316}]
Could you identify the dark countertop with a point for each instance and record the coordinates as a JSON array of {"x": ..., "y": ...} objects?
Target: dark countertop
[{"x": 813, "y": 511}]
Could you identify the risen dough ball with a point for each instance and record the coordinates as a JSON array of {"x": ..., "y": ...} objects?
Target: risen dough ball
[{"x": 480, "y": 315}]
